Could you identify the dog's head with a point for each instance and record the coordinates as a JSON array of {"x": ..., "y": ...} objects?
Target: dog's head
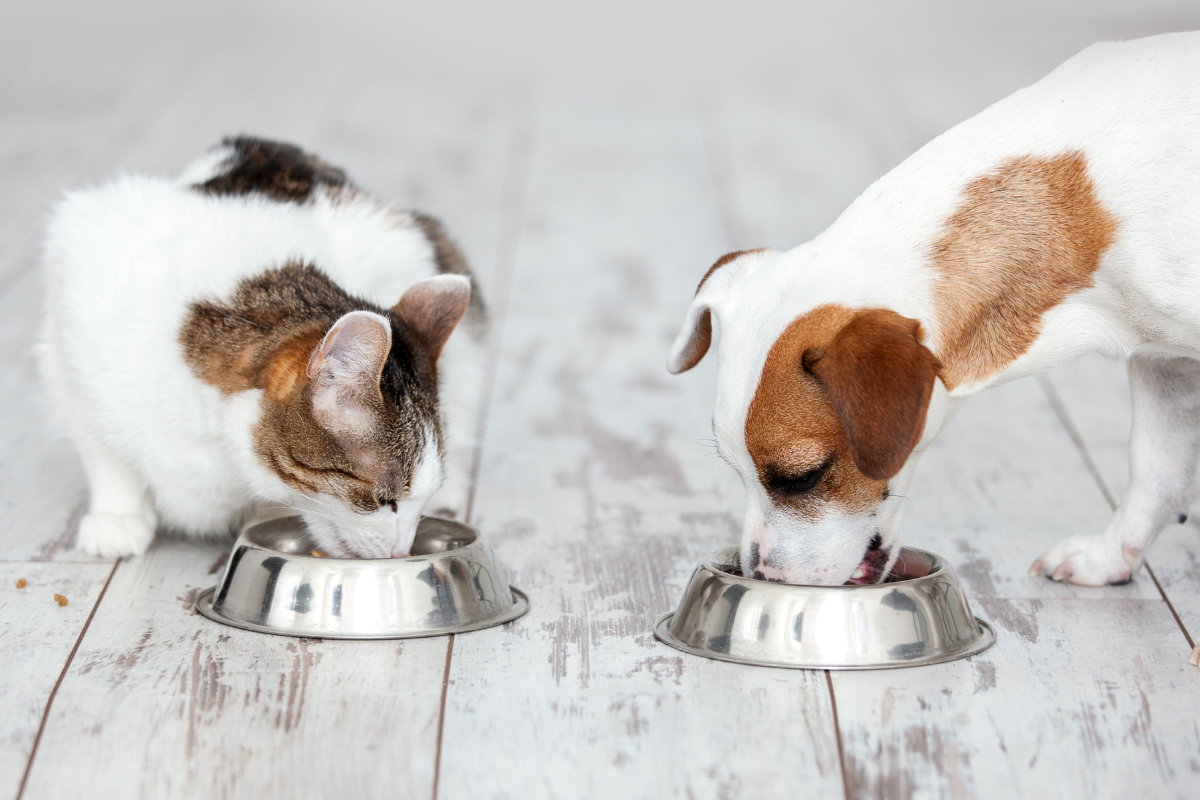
[{"x": 818, "y": 412}]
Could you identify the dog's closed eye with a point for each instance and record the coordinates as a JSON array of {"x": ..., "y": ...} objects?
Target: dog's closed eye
[{"x": 793, "y": 485}]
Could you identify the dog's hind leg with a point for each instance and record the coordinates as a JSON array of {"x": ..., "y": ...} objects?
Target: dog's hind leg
[{"x": 1163, "y": 448}]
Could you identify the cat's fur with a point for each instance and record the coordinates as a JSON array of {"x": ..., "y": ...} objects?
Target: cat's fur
[{"x": 256, "y": 331}]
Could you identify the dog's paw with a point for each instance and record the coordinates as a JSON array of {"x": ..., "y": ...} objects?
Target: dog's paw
[
  {"x": 1086, "y": 561},
  {"x": 114, "y": 536}
]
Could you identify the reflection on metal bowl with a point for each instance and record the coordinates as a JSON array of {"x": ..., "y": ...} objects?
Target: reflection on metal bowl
[
  {"x": 919, "y": 617},
  {"x": 272, "y": 584}
]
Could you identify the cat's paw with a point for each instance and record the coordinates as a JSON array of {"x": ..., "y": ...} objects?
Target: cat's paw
[
  {"x": 450, "y": 501},
  {"x": 1086, "y": 561},
  {"x": 115, "y": 536}
]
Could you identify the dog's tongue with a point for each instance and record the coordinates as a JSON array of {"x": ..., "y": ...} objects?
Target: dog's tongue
[{"x": 871, "y": 567}]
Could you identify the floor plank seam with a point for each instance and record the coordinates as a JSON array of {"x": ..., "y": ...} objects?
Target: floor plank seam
[
  {"x": 837, "y": 733},
  {"x": 66, "y": 666},
  {"x": 1064, "y": 417},
  {"x": 52, "y": 549},
  {"x": 1178, "y": 620},
  {"x": 513, "y": 192},
  {"x": 437, "y": 753}
]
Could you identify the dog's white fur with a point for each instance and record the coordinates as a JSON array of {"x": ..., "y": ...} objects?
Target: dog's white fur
[
  {"x": 123, "y": 262},
  {"x": 1133, "y": 109}
]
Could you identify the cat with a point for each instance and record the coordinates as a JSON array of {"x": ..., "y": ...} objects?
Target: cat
[{"x": 259, "y": 331}]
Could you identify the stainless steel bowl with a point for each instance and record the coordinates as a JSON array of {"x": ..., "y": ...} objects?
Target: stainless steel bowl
[
  {"x": 919, "y": 617},
  {"x": 272, "y": 584}
]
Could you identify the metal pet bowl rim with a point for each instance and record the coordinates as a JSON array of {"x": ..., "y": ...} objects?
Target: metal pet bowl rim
[
  {"x": 718, "y": 560},
  {"x": 206, "y": 606}
]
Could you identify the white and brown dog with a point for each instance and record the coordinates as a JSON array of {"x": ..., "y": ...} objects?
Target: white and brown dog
[{"x": 1063, "y": 220}]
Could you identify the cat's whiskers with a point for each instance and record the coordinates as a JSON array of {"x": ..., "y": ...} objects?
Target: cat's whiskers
[
  {"x": 332, "y": 509},
  {"x": 329, "y": 516}
]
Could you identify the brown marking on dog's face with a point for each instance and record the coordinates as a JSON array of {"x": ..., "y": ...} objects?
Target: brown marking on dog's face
[
  {"x": 268, "y": 335},
  {"x": 1023, "y": 238},
  {"x": 839, "y": 407},
  {"x": 793, "y": 429}
]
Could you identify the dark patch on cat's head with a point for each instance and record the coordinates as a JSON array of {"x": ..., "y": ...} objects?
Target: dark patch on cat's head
[
  {"x": 349, "y": 389},
  {"x": 277, "y": 170},
  {"x": 450, "y": 261}
]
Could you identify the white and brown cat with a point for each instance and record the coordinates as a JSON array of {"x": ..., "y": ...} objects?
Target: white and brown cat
[{"x": 259, "y": 331}]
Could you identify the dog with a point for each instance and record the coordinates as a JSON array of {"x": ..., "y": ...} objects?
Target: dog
[{"x": 1063, "y": 220}]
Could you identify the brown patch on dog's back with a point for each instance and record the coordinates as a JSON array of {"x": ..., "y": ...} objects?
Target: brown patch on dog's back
[
  {"x": 263, "y": 336},
  {"x": 792, "y": 425},
  {"x": 1024, "y": 237},
  {"x": 277, "y": 170}
]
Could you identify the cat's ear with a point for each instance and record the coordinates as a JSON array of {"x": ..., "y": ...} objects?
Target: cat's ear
[
  {"x": 345, "y": 370},
  {"x": 432, "y": 307}
]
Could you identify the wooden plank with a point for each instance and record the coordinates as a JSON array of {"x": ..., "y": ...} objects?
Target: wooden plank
[
  {"x": 1002, "y": 483},
  {"x": 161, "y": 702},
  {"x": 1076, "y": 699},
  {"x": 36, "y": 636},
  {"x": 600, "y": 500},
  {"x": 442, "y": 148}
]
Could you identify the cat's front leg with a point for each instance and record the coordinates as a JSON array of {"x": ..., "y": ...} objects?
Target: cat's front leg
[{"x": 120, "y": 519}]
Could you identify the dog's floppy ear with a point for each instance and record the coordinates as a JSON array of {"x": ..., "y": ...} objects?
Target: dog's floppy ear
[
  {"x": 696, "y": 335},
  {"x": 880, "y": 379}
]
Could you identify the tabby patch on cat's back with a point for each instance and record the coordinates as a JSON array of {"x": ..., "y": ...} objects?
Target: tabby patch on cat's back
[
  {"x": 259, "y": 330},
  {"x": 278, "y": 170}
]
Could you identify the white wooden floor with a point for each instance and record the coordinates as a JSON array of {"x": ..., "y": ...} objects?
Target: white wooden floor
[{"x": 593, "y": 162}]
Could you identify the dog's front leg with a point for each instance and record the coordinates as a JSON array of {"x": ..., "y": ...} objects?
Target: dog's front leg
[{"x": 1163, "y": 449}]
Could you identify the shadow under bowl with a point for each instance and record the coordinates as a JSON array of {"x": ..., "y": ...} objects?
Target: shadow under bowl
[
  {"x": 919, "y": 616},
  {"x": 272, "y": 583}
]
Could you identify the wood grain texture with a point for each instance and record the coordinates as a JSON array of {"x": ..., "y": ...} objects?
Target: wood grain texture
[
  {"x": 599, "y": 500},
  {"x": 36, "y": 637},
  {"x": 1076, "y": 699},
  {"x": 161, "y": 702},
  {"x": 1094, "y": 392},
  {"x": 442, "y": 149}
]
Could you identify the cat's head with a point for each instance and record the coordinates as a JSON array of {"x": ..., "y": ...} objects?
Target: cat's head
[{"x": 350, "y": 423}]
